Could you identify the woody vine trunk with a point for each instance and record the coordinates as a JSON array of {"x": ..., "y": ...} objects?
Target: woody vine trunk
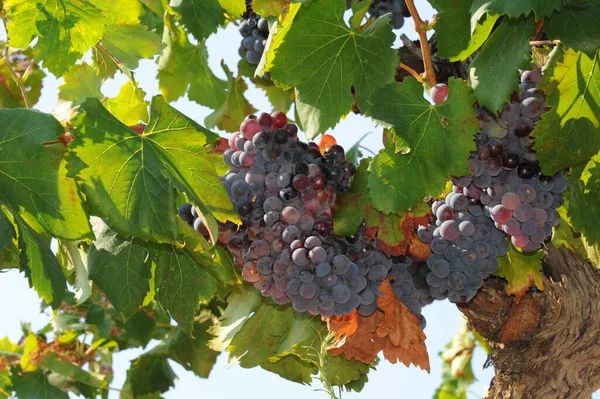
[{"x": 546, "y": 345}]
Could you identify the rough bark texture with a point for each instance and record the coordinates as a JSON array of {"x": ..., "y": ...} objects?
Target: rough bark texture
[{"x": 547, "y": 345}]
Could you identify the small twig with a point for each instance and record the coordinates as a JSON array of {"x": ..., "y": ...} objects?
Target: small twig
[
  {"x": 544, "y": 42},
  {"x": 421, "y": 28},
  {"x": 414, "y": 73},
  {"x": 120, "y": 391},
  {"x": 362, "y": 147},
  {"x": 14, "y": 74}
]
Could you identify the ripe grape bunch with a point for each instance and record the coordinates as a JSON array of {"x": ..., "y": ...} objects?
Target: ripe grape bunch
[
  {"x": 505, "y": 195},
  {"x": 255, "y": 31},
  {"x": 285, "y": 192}
]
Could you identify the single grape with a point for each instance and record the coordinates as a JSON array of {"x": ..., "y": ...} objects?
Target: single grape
[
  {"x": 341, "y": 293},
  {"x": 439, "y": 92}
]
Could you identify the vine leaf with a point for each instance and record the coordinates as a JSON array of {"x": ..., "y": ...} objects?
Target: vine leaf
[
  {"x": 234, "y": 7},
  {"x": 258, "y": 333},
  {"x": 432, "y": 143},
  {"x": 183, "y": 67},
  {"x": 391, "y": 329},
  {"x": 516, "y": 8},
  {"x": 495, "y": 69},
  {"x": 33, "y": 175},
  {"x": 576, "y": 27},
  {"x": 81, "y": 82},
  {"x": 350, "y": 211},
  {"x": 131, "y": 43},
  {"x": 123, "y": 172},
  {"x": 583, "y": 208},
  {"x": 521, "y": 270},
  {"x": 7, "y": 231},
  {"x": 181, "y": 283},
  {"x": 122, "y": 12},
  {"x": 71, "y": 371},
  {"x": 65, "y": 33},
  {"x": 129, "y": 105},
  {"x": 148, "y": 375},
  {"x": 269, "y": 8},
  {"x": 234, "y": 109},
  {"x": 333, "y": 59},
  {"x": 568, "y": 134},
  {"x": 119, "y": 268},
  {"x": 200, "y": 17},
  {"x": 192, "y": 353},
  {"x": 456, "y": 38},
  {"x": 35, "y": 385}
]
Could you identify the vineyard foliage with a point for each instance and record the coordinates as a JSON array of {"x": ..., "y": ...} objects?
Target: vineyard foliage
[{"x": 89, "y": 197}]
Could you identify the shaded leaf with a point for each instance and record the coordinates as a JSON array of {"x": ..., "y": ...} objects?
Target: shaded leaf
[
  {"x": 10, "y": 94},
  {"x": 494, "y": 71},
  {"x": 516, "y": 8},
  {"x": 576, "y": 27},
  {"x": 457, "y": 36},
  {"x": 200, "y": 17},
  {"x": 35, "y": 385},
  {"x": 118, "y": 266},
  {"x": 129, "y": 44},
  {"x": 72, "y": 371},
  {"x": 33, "y": 176},
  {"x": 148, "y": 375}
]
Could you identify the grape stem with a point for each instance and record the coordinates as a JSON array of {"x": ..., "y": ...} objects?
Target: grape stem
[
  {"x": 544, "y": 42},
  {"x": 414, "y": 73},
  {"x": 421, "y": 27},
  {"x": 18, "y": 79}
]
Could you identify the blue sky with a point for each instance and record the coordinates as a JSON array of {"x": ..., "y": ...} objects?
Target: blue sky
[{"x": 226, "y": 381}]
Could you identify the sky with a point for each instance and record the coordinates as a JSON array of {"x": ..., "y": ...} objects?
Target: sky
[{"x": 231, "y": 381}]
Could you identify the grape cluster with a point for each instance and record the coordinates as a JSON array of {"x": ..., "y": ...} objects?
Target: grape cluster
[
  {"x": 505, "y": 174},
  {"x": 465, "y": 244},
  {"x": 255, "y": 31},
  {"x": 506, "y": 194}
]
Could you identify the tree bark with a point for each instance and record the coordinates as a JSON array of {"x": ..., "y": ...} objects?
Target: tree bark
[{"x": 547, "y": 344}]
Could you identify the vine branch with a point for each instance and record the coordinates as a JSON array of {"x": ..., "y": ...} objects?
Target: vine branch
[
  {"x": 414, "y": 73},
  {"x": 18, "y": 79},
  {"x": 421, "y": 27},
  {"x": 544, "y": 42}
]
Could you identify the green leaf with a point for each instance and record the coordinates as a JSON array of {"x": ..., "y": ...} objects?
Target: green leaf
[
  {"x": 583, "y": 208},
  {"x": 576, "y": 27},
  {"x": 33, "y": 176},
  {"x": 494, "y": 71},
  {"x": 359, "y": 12},
  {"x": 10, "y": 94},
  {"x": 81, "y": 82},
  {"x": 564, "y": 235},
  {"x": 118, "y": 266},
  {"x": 516, "y": 8},
  {"x": 456, "y": 40},
  {"x": 280, "y": 99},
  {"x": 72, "y": 371},
  {"x": 136, "y": 330},
  {"x": 234, "y": 110},
  {"x": 129, "y": 44},
  {"x": 201, "y": 18},
  {"x": 333, "y": 59},
  {"x": 571, "y": 80},
  {"x": 122, "y": 172},
  {"x": 350, "y": 211},
  {"x": 129, "y": 106},
  {"x": 439, "y": 137},
  {"x": 148, "y": 375},
  {"x": 234, "y": 7},
  {"x": 192, "y": 353},
  {"x": 7, "y": 231},
  {"x": 181, "y": 283},
  {"x": 183, "y": 67},
  {"x": 521, "y": 270},
  {"x": 124, "y": 12},
  {"x": 65, "y": 30},
  {"x": 39, "y": 264},
  {"x": 35, "y": 385},
  {"x": 260, "y": 333}
]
